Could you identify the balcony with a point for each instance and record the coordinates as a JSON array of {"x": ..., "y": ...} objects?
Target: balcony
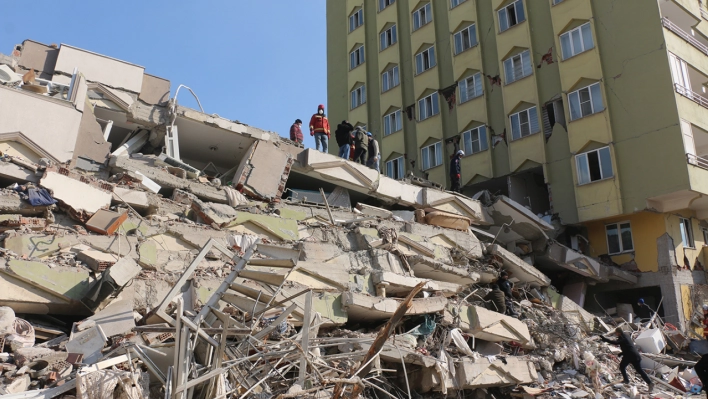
[
  {"x": 692, "y": 95},
  {"x": 685, "y": 35},
  {"x": 704, "y": 13},
  {"x": 697, "y": 160}
]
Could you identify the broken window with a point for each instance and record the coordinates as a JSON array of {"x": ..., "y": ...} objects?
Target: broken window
[
  {"x": 432, "y": 155},
  {"x": 619, "y": 238},
  {"x": 470, "y": 87},
  {"x": 687, "y": 233},
  {"x": 356, "y": 20},
  {"x": 388, "y": 38},
  {"x": 396, "y": 168},
  {"x": 422, "y": 17},
  {"x": 465, "y": 39},
  {"x": 392, "y": 122},
  {"x": 551, "y": 114},
  {"x": 385, "y": 3},
  {"x": 358, "y": 96},
  {"x": 594, "y": 165},
  {"x": 511, "y": 15},
  {"x": 356, "y": 57},
  {"x": 428, "y": 106},
  {"x": 576, "y": 41},
  {"x": 586, "y": 101},
  {"x": 524, "y": 123},
  {"x": 475, "y": 140},
  {"x": 390, "y": 79},
  {"x": 425, "y": 60},
  {"x": 517, "y": 67}
]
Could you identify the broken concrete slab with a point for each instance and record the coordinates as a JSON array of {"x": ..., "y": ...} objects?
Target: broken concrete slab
[
  {"x": 513, "y": 222},
  {"x": 362, "y": 307},
  {"x": 80, "y": 199},
  {"x": 136, "y": 199},
  {"x": 67, "y": 282},
  {"x": 38, "y": 246},
  {"x": 213, "y": 213},
  {"x": 12, "y": 203},
  {"x": 374, "y": 211},
  {"x": 483, "y": 373},
  {"x": 462, "y": 240},
  {"x": 106, "y": 222},
  {"x": 283, "y": 229},
  {"x": 557, "y": 255},
  {"x": 424, "y": 267},
  {"x": 13, "y": 222},
  {"x": 443, "y": 219},
  {"x": 394, "y": 284},
  {"x": 456, "y": 204},
  {"x": 520, "y": 271},
  {"x": 96, "y": 260},
  {"x": 89, "y": 343},
  {"x": 488, "y": 325},
  {"x": 263, "y": 171},
  {"x": 116, "y": 318}
]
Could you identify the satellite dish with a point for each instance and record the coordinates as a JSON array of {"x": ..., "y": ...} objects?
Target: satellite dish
[{"x": 7, "y": 75}]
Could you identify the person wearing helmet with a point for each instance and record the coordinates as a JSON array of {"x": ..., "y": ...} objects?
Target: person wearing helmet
[
  {"x": 296, "y": 131},
  {"x": 374, "y": 153},
  {"x": 456, "y": 171},
  {"x": 319, "y": 127}
]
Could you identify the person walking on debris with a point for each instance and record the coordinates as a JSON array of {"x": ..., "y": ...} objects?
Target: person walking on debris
[
  {"x": 344, "y": 138},
  {"x": 701, "y": 369},
  {"x": 361, "y": 141},
  {"x": 497, "y": 298},
  {"x": 505, "y": 286},
  {"x": 296, "y": 131},
  {"x": 630, "y": 355},
  {"x": 374, "y": 153},
  {"x": 456, "y": 171},
  {"x": 319, "y": 127}
]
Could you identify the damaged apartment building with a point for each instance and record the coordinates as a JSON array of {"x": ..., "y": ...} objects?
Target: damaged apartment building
[{"x": 120, "y": 206}]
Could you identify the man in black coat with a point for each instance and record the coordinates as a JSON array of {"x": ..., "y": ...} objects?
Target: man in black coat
[
  {"x": 344, "y": 138},
  {"x": 505, "y": 286},
  {"x": 630, "y": 355},
  {"x": 456, "y": 171}
]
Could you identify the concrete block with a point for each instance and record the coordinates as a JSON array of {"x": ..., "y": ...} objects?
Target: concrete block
[
  {"x": 481, "y": 373},
  {"x": 427, "y": 268},
  {"x": 465, "y": 241},
  {"x": 489, "y": 325},
  {"x": 454, "y": 203},
  {"x": 362, "y": 307},
  {"x": 67, "y": 282},
  {"x": 123, "y": 271},
  {"x": 374, "y": 211},
  {"x": 263, "y": 171},
  {"x": 96, "y": 260},
  {"x": 106, "y": 222},
  {"x": 89, "y": 343},
  {"x": 116, "y": 318},
  {"x": 520, "y": 270},
  {"x": 13, "y": 222},
  {"x": 136, "y": 199},
  {"x": 397, "y": 285},
  {"x": 283, "y": 229},
  {"x": 148, "y": 183},
  {"x": 82, "y": 199},
  {"x": 213, "y": 213}
]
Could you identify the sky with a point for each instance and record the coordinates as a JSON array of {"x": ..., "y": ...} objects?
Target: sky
[{"x": 263, "y": 63}]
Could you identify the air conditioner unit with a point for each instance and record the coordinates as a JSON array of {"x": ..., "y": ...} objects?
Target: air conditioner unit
[{"x": 7, "y": 75}]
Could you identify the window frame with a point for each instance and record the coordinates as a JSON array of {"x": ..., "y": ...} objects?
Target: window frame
[
  {"x": 392, "y": 74},
  {"x": 529, "y": 118},
  {"x": 477, "y": 82},
  {"x": 471, "y": 32},
  {"x": 361, "y": 96},
  {"x": 687, "y": 233},
  {"x": 359, "y": 12},
  {"x": 397, "y": 116},
  {"x": 482, "y": 139},
  {"x": 362, "y": 57},
  {"x": 524, "y": 55},
  {"x": 507, "y": 18},
  {"x": 434, "y": 107},
  {"x": 704, "y": 230},
  {"x": 401, "y": 168},
  {"x": 576, "y": 95},
  {"x": 578, "y": 158},
  {"x": 453, "y": 5},
  {"x": 394, "y": 38},
  {"x": 432, "y": 63},
  {"x": 427, "y": 12},
  {"x": 618, "y": 226},
  {"x": 569, "y": 35},
  {"x": 556, "y": 2},
  {"x": 384, "y": 4},
  {"x": 437, "y": 146}
]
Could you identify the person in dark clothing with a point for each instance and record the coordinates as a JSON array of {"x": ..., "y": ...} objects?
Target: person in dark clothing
[
  {"x": 630, "y": 355},
  {"x": 702, "y": 371},
  {"x": 496, "y": 296},
  {"x": 361, "y": 141},
  {"x": 374, "y": 153},
  {"x": 456, "y": 171},
  {"x": 296, "y": 131},
  {"x": 344, "y": 138},
  {"x": 505, "y": 286}
]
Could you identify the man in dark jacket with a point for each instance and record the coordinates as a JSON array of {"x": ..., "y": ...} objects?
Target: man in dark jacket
[
  {"x": 361, "y": 141},
  {"x": 344, "y": 138},
  {"x": 496, "y": 297},
  {"x": 630, "y": 355},
  {"x": 456, "y": 170},
  {"x": 296, "y": 131},
  {"x": 374, "y": 153},
  {"x": 505, "y": 286}
]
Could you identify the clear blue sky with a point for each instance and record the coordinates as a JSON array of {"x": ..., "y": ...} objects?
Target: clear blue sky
[{"x": 263, "y": 63}]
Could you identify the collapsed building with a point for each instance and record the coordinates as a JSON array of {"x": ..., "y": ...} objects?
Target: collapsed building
[{"x": 160, "y": 251}]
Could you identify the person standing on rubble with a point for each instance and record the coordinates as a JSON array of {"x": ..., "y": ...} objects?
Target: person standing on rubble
[
  {"x": 497, "y": 297},
  {"x": 456, "y": 171},
  {"x": 374, "y": 153},
  {"x": 344, "y": 138},
  {"x": 361, "y": 141},
  {"x": 630, "y": 355},
  {"x": 319, "y": 127},
  {"x": 505, "y": 286},
  {"x": 296, "y": 131}
]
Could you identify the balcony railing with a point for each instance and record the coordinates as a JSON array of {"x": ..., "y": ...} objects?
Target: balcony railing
[
  {"x": 704, "y": 13},
  {"x": 697, "y": 160},
  {"x": 691, "y": 95},
  {"x": 684, "y": 35}
]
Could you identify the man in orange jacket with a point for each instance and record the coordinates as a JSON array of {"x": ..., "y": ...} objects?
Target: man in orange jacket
[{"x": 319, "y": 127}]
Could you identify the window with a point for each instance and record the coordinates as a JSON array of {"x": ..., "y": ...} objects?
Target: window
[
  {"x": 687, "y": 233},
  {"x": 395, "y": 169},
  {"x": 586, "y": 101},
  {"x": 524, "y": 123},
  {"x": 594, "y": 165},
  {"x": 356, "y": 20},
  {"x": 390, "y": 79},
  {"x": 425, "y": 60},
  {"x": 576, "y": 41},
  {"x": 679, "y": 72},
  {"x": 422, "y": 16},
  {"x": 511, "y": 15},
  {"x": 475, "y": 140},
  {"x": 358, "y": 96},
  {"x": 385, "y": 3},
  {"x": 393, "y": 122},
  {"x": 428, "y": 106},
  {"x": 557, "y": 1},
  {"x": 465, "y": 39},
  {"x": 705, "y": 235},
  {"x": 517, "y": 67},
  {"x": 552, "y": 113},
  {"x": 431, "y": 155},
  {"x": 455, "y": 3},
  {"x": 388, "y": 38},
  {"x": 619, "y": 238},
  {"x": 356, "y": 57},
  {"x": 470, "y": 87}
]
